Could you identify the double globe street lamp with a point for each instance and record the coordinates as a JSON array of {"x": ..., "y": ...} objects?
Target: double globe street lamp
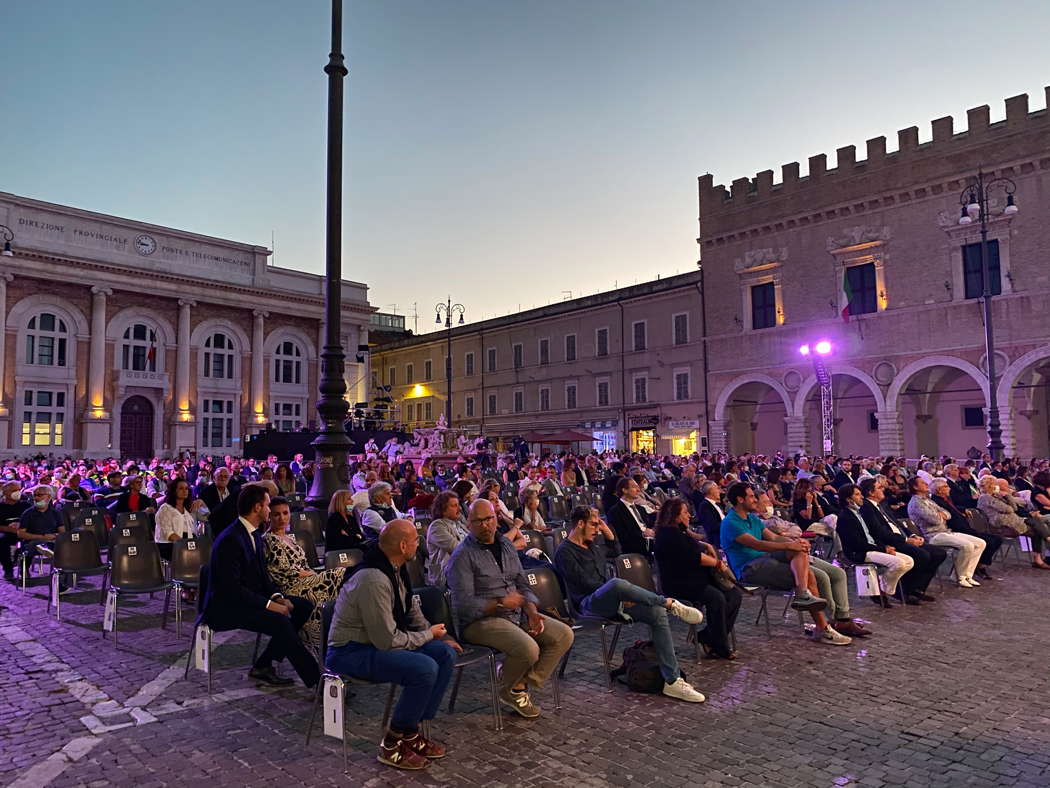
[{"x": 449, "y": 310}]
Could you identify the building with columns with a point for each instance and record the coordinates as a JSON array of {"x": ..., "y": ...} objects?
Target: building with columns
[
  {"x": 124, "y": 338},
  {"x": 908, "y": 367}
]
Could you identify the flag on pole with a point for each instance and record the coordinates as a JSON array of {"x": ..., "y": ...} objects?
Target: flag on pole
[
  {"x": 848, "y": 291},
  {"x": 151, "y": 354}
]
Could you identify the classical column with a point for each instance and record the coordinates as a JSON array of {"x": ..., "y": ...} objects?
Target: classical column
[
  {"x": 4, "y": 279},
  {"x": 258, "y": 369},
  {"x": 891, "y": 433},
  {"x": 97, "y": 360},
  {"x": 718, "y": 438},
  {"x": 797, "y": 434},
  {"x": 1007, "y": 423},
  {"x": 182, "y": 363}
]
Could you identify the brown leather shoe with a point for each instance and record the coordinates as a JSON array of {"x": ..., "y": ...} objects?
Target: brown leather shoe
[
  {"x": 850, "y": 628},
  {"x": 425, "y": 747}
]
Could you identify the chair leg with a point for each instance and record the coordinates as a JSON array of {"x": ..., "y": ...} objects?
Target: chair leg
[
  {"x": 167, "y": 603},
  {"x": 178, "y": 611},
  {"x": 564, "y": 663},
  {"x": 116, "y": 603},
  {"x": 189, "y": 656},
  {"x": 605, "y": 662},
  {"x": 494, "y": 687},
  {"x": 455, "y": 687},
  {"x": 313, "y": 710}
]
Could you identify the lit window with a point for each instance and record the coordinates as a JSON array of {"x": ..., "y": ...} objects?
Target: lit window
[{"x": 46, "y": 340}]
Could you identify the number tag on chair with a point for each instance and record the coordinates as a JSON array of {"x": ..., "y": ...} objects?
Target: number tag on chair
[
  {"x": 110, "y": 616},
  {"x": 191, "y": 545},
  {"x": 74, "y": 537},
  {"x": 202, "y": 648},
  {"x": 532, "y": 579},
  {"x": 54, "y": 589},
  {"x": 133, "y": 517},
  {"x": 90, "y": 523},
  {"x": 125, "y": 532},
  {"x": 334, "y": 692},
  {"x": 132, "y": 550},
  {"x": 342, "y": 558},
  {"x": 626, "y": 563}
]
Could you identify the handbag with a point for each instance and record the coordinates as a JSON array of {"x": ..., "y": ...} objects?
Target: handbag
[
  {"x": 867, "y": 577},
  {"x": 724, "y": 577}
]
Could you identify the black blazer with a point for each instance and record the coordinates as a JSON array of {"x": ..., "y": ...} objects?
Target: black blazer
[
  {"x": 628, "y": 536},
  {"x": 880, "y": 526},
  {"x": 711, "y": 522},
  {"x": 210, "y": 496},
  {"x": 237, "y": 577},
  {"x": 342, "y": 533},
  {"x": 854, "y": 542},
  {"x": 961, "y": 494},
  {"x": 678, "y": 558}
]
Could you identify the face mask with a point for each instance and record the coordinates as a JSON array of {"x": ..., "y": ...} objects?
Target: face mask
[
  {"x": 349, "y": 508},
  {"x": 769, "y": 511},
  {"x": 41, "y": 505}
]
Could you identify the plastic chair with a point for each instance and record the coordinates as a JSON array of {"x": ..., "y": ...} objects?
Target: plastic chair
[
  {"x": 188, "y": 557},
  {"x": 129, "y": 534},
  {"x": 334, "y": 559},
  {"x": 305, "y": 540},
  {"x": 135, "y": 570},
  {"x": 635, "y": 568},
  {"x": 97, "y": 524},
  {"x": 332, "y": 680},
  {"x": 296, "y": 501},
  {"x": 309, "y": 520},
  {"x": 134, "y": 518},
  {"x": 789, "y": 596},
  {"x": 76, "y": 553},
  {"x": 557, "y": 509},
  {"x": 433, "y": 603},
  {"x": 535, "y": 539}
]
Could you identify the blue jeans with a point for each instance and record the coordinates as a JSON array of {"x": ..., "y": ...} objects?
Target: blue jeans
[
  {"x": 648, "y": 608},
  {"x": 424, "y": 675}
]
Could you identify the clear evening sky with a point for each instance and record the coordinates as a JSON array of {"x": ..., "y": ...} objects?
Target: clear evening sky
[{"x": 503, "y": 151}]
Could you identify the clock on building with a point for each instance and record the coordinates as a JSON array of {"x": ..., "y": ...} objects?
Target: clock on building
[{"x": 145, "y": 245}]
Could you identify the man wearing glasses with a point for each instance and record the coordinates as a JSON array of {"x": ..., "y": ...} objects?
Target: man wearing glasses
[
  {"x": 494, "y": 607},
  {"x": 39, "y": 526}
]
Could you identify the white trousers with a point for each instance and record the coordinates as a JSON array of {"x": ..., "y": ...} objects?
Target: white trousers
[
  {"x": 969, "y": 549},
  {"x": 896, "y": 565}
]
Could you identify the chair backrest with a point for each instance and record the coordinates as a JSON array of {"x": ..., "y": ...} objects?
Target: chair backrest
[
  {"x": 416, "y": 575},
  {"x": 634, "y": 568},
  {"x": 96, "y": 525},
  {"x": 130, "y": 534},
  {"x": 544, "y": 584},
  {"x": 659, "y": 495},
  {"x": 187, "y": 558},
  {"x": 135, "y": 565},
  {"x": 305, "y": 540},
  {"x": 77, "y": 550},
  {"x": 559, "y": 535},
  {"x": 309, "y": 520},
  {"x": 557, "y": 509},
  {"x": 579, "y": 499},
  {"x": 296, "y": 501},
  {"x": 434, "y": 605},
  {"x": 134, "y": 518},
  {"x": 535, "y": 539},
  {"x": 334, "y": 559},
  {"x": 88, "y": 511},
  {"x": 978, "y": 521}
]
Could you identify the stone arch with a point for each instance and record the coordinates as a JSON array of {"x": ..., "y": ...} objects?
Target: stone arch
[
  {"x": 1012, "y": 373},
  {"x": 278, "y": 335},
  {"x": 20, "y": 313},
  {"x": 730, "y": 388},
  {"x": 839, "y": 369},
  {"x": 912, "y": 369},
  {"x": 212, "y": 324},
  {"x": 135, "y": 314}
]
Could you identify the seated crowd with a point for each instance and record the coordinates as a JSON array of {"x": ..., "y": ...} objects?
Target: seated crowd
[{"x": 714, "y": 528}]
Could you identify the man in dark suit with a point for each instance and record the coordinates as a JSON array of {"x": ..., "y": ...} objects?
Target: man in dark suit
[
  {"x": 241, "y": 596},
  {"x": 961, "y": 493},
  {"x": 609, "y": 497},
  {"x": 627, "y": 520},
  {"x": 862, "y": 547},
  {"x": 221, "y": 499},
  {"x": 844, "y": 475},
  {"x": 885, "y": 529},
  {"x": 710, "y": 513}
]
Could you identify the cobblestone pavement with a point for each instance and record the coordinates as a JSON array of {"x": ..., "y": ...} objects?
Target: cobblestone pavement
[{"x": 953, "y": 693}]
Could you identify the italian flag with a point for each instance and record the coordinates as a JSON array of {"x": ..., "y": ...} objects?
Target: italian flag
[{"x": 848, "y": 291}]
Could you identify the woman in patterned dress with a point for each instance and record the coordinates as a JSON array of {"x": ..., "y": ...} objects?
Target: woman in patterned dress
[{"x": 291, "y": 572}]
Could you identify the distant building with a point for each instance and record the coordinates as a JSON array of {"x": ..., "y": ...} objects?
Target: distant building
[
  {"x": 125, "y": 338},
  {"x": 624, "y": 366}
]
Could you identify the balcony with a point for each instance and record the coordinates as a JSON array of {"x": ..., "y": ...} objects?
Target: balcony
[{"x": 129, "y": 377}]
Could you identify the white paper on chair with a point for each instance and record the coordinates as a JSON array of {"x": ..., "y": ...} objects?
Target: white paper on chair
[
  {"x": 867, "y": 577},
  {"x": 110, "y": 616},
  {"x": 54, "y": 589},
  {"x": 334, "y": 698},
  {"x": 202, "y": 648}
]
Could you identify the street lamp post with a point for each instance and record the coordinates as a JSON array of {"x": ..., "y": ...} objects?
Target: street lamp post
[
  {"x": 974, "y": 201},
  {"x": 8, "y": 235},
  {"x": 332, "y": 443},
  {"x": 827, "y": 415},
  {"x": 449, "y": 309}
]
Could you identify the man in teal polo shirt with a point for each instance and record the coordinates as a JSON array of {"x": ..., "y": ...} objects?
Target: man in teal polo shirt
[{"x": 758, "y": 556}]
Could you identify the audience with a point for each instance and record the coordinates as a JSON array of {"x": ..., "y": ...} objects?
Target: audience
[
  {"x": 627, "y": 520},
  {"x": 940, "y": 493},
  {"x": 381, "y": 510},
  {"x": 446, "y": 531},
  {"x": 861, "y": 546},
  {"x": 494, "y": 606},
  {"x": 341, "y": 531},
  {"x": 933, "y": 522},
  {"x": 176, "y": 517},
  {"x": 379, "y": 634}
]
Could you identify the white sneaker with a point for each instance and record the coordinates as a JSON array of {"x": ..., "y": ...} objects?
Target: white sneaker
[
  {"x": 832, "y": 638},
  {"x": 683, "y": 690},
  {"x": 689, "y": 615},
  {"x": 966, "y": 582}
]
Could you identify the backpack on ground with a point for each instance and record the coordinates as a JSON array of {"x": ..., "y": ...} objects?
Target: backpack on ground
[{"x": 640, "y": 670}]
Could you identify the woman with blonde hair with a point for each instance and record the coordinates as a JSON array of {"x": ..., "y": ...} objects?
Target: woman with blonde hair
[{"x": 342, "y": 531}]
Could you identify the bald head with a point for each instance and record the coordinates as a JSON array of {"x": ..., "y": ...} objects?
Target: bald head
[
  {"x": 481, "y": 521},
  {"x": 398, "y": 541}
]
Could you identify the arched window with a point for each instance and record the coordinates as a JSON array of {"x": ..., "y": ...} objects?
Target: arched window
[
  {"x": 139, "y": 349},
  {"x": 46, "y": 339},
  {"x": 288, "y": 364},
  {"x": 218, "y": 357}
]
